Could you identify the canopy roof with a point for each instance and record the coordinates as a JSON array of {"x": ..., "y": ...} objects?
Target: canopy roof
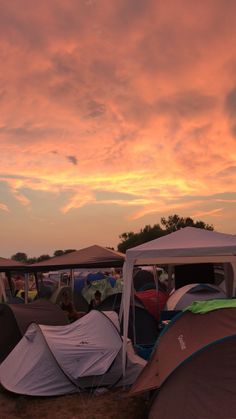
[
  {"x": 89, "y": 257},
  {"x": 184, "y": 244},
  {"x": 9, "y": 265}
]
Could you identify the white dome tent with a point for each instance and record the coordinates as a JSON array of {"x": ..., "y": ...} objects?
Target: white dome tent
[
  {"x": 181, "y": 298},
  {"x": 56, "y": 360},
  {"x": 186, "y": 246}
]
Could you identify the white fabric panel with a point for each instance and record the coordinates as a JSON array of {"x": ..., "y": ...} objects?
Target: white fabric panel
[
  {"x": 31, "y": 369},
  {"x": 85, "y": 347},
  {"x": 112, "y": 315},
  {"x": 134, "y": 366}
]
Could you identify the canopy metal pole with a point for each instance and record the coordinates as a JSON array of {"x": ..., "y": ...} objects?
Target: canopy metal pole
[
  {"x": 2, "y": 288},
  {"x": 10, "y": 282},
  {"x": 26, "y": 287},
  {"x": 133, "y": 312},
  {"x": 72, "y": 279},
  {"x": 36, "y": 277},
  {"x": 229, "y": 279},
  {"x": 170, "y": 272},
  {"x": 157, "y": 287}
]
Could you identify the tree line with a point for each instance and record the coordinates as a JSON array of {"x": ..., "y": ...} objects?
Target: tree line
[
  {"x": 22, "y": 257},
  {"x": 130, "y": 239},
  {"x": 167, "y": 225}
]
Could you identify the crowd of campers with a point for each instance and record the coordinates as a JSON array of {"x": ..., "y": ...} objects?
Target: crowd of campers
[{"x": 64, "y": 333}]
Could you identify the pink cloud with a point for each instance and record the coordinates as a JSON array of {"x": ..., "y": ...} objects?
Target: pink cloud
[{"x": 127, "y": 96}]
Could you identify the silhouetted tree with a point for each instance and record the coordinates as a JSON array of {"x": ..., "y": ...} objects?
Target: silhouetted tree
[
  {"x": 170, "y": 224},
  {"x": 175, "y": 222},
  {"x": 20, "y": 257},
  {"x": 32, "y": 260},
  {"x": 43, "y": 257},
  {"x": 58, "y": 253},
  {"x": 62, "y": 252},
  {"x": 69, "y": 251}
]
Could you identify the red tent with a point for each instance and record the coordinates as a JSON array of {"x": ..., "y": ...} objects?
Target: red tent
[{"x": 154, "y": 301}]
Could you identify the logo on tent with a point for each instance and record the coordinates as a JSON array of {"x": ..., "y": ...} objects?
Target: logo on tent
[{"x": 182, "y": 342}]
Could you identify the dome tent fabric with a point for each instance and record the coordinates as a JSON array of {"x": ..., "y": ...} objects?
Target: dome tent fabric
[
  {"x": 144, "y": 323},
  {"x": 102, "y": 285},
  {"x": 184, "y": 296},
  {"x": 154, "y": 301},
  {"x": 187, "y": 245},
  {"x": 15, "y": 318},
  {"x": 54, "y": 360},
  {"x": 211, "y": 387},
  {"x": 199, "y": 367}
]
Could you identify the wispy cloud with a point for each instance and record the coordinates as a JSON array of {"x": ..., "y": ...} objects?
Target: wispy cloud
[
  {"x": 133, "y": 98},
  {"x": 4, "y": 207}
]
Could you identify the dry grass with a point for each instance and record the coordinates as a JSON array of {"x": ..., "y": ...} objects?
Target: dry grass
[{"x": 114, "y": 404}]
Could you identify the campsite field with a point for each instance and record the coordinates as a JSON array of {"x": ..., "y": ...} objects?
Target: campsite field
[{"x": 114, "y": 404}]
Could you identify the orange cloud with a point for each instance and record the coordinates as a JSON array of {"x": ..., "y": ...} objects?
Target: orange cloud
[
  {"x": 130, "y": 96},
  {"x": 4, "y": 207}
]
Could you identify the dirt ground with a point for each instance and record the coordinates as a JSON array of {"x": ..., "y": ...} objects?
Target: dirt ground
[{"x": 113, "y": 404}]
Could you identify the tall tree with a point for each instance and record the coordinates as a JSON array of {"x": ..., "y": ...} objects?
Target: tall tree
[
  {"x": 62, "y": 252},
  {"x": 170, "y": 224},
  {"x": 20, "y": 257},
  {"x": 175, "y": 222},
  {"x": 58, "y": 253},
  {"x": 69, "y": 251},
  {"x": 43, "y": 257}
]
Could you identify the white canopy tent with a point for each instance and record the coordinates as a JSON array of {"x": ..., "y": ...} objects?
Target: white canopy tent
[{"x": 186, "y": 246}]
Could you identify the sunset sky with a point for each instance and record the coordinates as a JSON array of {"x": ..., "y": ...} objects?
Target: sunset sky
[{"x": 114, "y": 113}]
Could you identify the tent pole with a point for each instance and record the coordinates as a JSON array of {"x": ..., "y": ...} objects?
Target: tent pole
[
  {"x": 133, "y": 312},
  {"x": 229, "y": 279},
  {"x": 234, "y": 278},
  {"x": 170, "y": 272},
  {"x": 36, "y": 277},
  {"x": 154, "y": 268},
  {"x": 2, "y": 288},
  {"x": 125, "y": 307},
  {"x": 10, "y": 282},
  {"x": 26, "y": 288},
  {"x": 72, "y": 280}
]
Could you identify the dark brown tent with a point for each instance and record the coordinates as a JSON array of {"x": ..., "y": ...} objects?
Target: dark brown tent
[
  {"x": 15, "y": 318},
  {"x": 89, "y": 257},
  {"x": 194, "y": 367}
]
